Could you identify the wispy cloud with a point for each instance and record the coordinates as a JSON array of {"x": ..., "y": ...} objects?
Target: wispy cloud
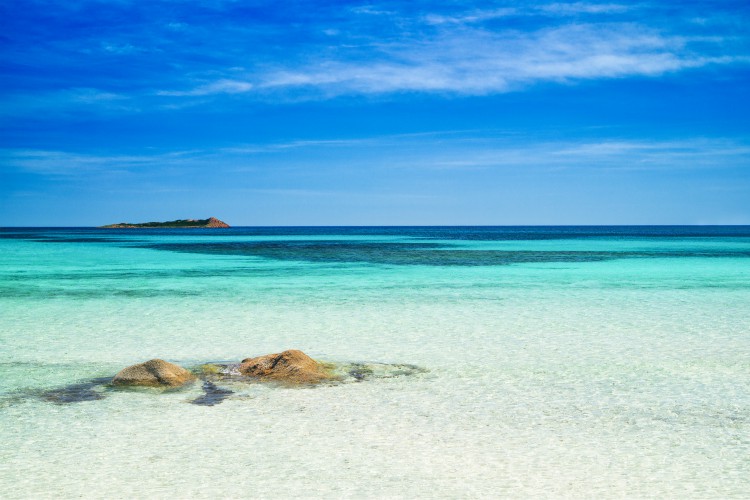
[
  {"x": 471, "y": 16},
  {"x": 66, "y": 163},
  {"x": 53, "y": 102},
  {"x": 222, "y": 86},
  {"x": 697, "y": 153},
  {"x": 603, "y": 154},
  {"x": 282, "y": 146},
  {"x": 584, "y": 8},
  {"x": 553, "y": 9},
  {"x": 430, "y": 151},
  {"x": 292, "y": 192},
  {"x": 478, "y": 61},
  {"x": 473, "y": 51},
  {"x": 453, "y": 48}
]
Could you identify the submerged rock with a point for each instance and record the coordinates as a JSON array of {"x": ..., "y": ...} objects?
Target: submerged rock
[
  {"x": 76, "y": 393},
  {"x": 153, "y": 373},
  {"x": 365, "y": 371},
  {"x": 211, "y": 370},
  {"x": 213, "y": 395},
  {"x": 359, "y": 371},
  {"x": 290, "y": 366}
]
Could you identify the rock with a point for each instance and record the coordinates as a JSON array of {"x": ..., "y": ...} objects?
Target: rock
[
  {"x": 214, "y": 222},
  {"x": 180, "y": 223},
  {"x": 291, "y": 366},
  {"x": 154, "y": 373}
]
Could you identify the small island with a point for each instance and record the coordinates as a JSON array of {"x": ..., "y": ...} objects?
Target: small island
[{"x": 211, "y": 222}]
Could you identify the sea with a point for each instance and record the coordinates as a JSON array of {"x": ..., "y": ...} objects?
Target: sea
[{"x": 476, "y": 362}]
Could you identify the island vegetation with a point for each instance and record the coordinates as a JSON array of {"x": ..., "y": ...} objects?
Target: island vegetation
[{"x": 180, "y": 223}]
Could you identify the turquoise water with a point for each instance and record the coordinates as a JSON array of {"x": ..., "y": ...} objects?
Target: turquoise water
[{"x": 578, "y": 362}]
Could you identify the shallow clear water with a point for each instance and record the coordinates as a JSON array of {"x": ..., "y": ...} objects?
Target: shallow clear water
[{"x": 596, "y": 362}]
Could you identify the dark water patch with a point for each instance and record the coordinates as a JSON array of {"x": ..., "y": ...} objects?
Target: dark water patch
[
  {"x": 18, "y": 236},
  {"x": 72, "y": 239},
  {"x": 81, "y": 240},
  {"x": 473, "y": 233},
  {"x": 486, "y": 233},
  {"x": 213, "y": 395},
  {"x": 42, "y": 238},
  {"x": 129, "y": 274},
  {"x": 420, "y": 253},
  {"x": 468, "y": 233},
  {"x": 417, "y": 245},
  {"x": 533, "y": 233},
  {"x": 31, "y": 292},
  {"x": 76, "y": 393}
]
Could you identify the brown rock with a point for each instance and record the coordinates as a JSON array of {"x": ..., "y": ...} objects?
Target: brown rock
[
  {"x": 154, "y": 373},
  {"x": 214, "y": 222},
  {"x": 291, "y": 366}
]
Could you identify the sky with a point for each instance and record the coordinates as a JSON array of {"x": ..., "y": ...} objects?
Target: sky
[{"x": 265, "y": 113}]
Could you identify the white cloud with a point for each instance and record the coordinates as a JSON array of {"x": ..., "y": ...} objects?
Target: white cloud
[
  {"x": 552, "y": 10},
  {"x": 94, "y": 95},
  {"x": 278, "y": 147},
  {"x": 456, "y": 52},
  {"x": 605, "y": 154},
  {"x": 470, "y": 17},
  {"x": 430, "y": 151},
  {"x": 584, "y": 8},
  {"x": 89, "y": 100},
  {"x": 371, "y": 10},
  {"x": 475, "y": 61},
  {"x": 177, "y": 26},
  {"x": 123, "y": 48},
  {"x": 222, "y": 86},
  {"x": 65, "y": 163}
]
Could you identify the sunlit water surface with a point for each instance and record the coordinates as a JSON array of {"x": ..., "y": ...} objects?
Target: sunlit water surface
[{"x": 579, "y": 362}]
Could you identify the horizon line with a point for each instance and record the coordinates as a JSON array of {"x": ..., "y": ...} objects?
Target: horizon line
[{"x": 386, "y": 226}]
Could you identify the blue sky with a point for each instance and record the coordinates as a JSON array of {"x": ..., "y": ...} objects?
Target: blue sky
[{"x": 375, "y": 113}]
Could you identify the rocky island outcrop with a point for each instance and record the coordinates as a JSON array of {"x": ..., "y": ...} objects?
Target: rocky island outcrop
[{"x": 211, "y": 222}]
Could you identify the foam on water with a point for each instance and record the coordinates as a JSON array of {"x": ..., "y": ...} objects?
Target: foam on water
[{"x": 613, "y": 377}]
